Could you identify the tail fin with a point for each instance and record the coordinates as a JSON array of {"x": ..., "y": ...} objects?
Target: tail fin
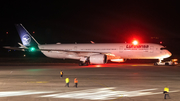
[{"x": 25, "y": 36}]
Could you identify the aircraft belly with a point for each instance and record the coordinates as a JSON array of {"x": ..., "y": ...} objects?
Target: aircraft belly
[
  {"x": 50, "y": 54},
  {"x": 135, "y": 54},
  {"x": 60, "y": 55}
]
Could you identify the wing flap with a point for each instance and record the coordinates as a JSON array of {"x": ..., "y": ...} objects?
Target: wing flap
[{"x": 78, "y": 53}]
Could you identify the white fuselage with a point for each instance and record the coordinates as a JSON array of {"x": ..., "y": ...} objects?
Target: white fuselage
[{"x": 117, "y": 50}]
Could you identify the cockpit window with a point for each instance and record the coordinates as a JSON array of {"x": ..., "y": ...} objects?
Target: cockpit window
[{"x": 163, "y": 48}]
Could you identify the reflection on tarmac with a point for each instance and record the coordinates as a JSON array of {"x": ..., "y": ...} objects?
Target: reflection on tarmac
[
  {"x": 21, "y": 93},
  {"x": 96, "y": 82},
  {"x": 89, "y": 94},
  {"x": 119, "y": 65}
]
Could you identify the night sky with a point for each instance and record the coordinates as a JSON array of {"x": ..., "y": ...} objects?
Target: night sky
[{"x": 101, "y": 21}]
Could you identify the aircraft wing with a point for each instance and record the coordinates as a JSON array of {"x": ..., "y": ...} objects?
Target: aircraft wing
[
  {"x": 70, "y": 51},
  {"x": 29, "y": 49},
  {"x": 79, "y": 53}
]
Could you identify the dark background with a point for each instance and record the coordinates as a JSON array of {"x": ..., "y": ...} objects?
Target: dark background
[{"x": 101, "y": 21}]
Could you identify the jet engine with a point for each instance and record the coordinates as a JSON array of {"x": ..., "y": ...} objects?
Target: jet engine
[{"x": 98, "y": 59}]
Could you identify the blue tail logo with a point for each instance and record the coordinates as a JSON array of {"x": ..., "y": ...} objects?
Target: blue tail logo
[
  {"x": 25, "y": 36},
  {"x": 26, "y": 40}
]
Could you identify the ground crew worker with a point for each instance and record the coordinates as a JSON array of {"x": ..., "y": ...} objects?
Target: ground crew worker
[
  {"x": 61, "y": 73},
  {"x": 166, "y": 92},
  {"x": 75, "y": 82},
  {"x": 67, "y": 82}
]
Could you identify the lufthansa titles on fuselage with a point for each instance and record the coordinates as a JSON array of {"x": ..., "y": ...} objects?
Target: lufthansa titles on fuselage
[{"x": 135, "y": 47}]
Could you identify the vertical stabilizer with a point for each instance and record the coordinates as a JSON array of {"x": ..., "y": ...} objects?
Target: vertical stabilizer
[{"x": 26, "y": 38}]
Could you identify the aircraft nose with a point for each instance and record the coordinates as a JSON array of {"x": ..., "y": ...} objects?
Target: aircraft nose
[{"x": 168, "y": 53}]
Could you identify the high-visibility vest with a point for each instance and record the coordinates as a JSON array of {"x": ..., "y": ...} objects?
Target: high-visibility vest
[
  {"x": 75, "y": 80},
  {"x": 67, "y": 80},
  {"x": 166, "y": 89},
  {"x": 61, "y": 73}
]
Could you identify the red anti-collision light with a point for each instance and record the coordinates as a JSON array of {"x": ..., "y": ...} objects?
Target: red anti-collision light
[{"x": 135, "y": 42}]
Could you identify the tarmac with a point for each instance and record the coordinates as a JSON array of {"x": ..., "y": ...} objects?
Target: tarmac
[{"x": 109, "y": 82}]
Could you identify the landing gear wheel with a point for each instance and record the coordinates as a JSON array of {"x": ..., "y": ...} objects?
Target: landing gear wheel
[
  {"x": 86, "y": 63},
  {"x": 166, "y": 64},
  {"x": 155, "y": 64},
  {"x": 80, "y": 64}
]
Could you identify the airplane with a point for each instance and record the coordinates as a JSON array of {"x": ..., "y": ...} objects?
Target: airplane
[{"x": 96, "y": 53}]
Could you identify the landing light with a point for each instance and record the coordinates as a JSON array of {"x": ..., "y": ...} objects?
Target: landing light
[
  {"x": 174, "y": 60},
  {"x": 117, "y": 60}
]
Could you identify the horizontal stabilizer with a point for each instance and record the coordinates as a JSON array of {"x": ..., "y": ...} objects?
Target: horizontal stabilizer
[
  {"x": 22, "y": 46},
  {"x": 14, "y": 48}
]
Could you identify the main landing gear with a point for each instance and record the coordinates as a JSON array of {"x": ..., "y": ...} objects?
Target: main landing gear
[{"x": 86, "y": 63}]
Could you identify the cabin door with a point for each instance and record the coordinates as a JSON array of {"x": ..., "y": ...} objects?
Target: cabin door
[
  {"x": 121, "y": 49},
  {"x": 151, "y": 49}
]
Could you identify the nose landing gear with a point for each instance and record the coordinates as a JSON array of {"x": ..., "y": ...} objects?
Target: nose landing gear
[
  {"x": 86, "y": 63},
  {"x": 167, "y": 63},
  {"x": 158, "y": 63}
]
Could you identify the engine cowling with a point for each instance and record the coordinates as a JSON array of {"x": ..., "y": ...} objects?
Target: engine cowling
[{"x": 98, "y": 59}]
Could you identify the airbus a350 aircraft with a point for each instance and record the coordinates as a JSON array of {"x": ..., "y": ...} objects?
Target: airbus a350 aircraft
[{"x": 93, "y": 53}]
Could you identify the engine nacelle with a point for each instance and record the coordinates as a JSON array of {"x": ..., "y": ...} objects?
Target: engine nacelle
[{"x": 98, "y": 59}]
